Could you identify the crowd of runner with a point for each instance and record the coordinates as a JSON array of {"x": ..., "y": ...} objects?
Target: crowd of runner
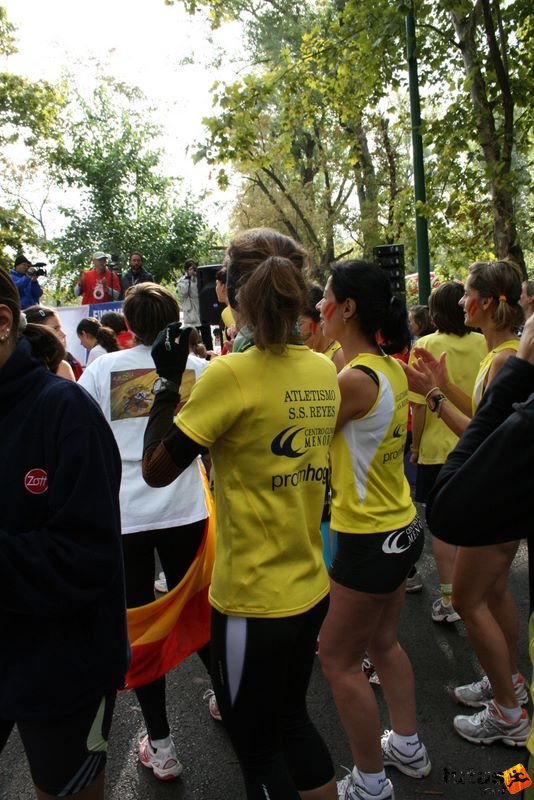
[{"x": 303, "y": 428}]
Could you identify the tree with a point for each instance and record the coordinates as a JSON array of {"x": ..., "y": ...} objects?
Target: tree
[
  {"x": 29, "y": 116},
  {"x": 108, "y": 154},
  {"x": 324, "y": 95}
]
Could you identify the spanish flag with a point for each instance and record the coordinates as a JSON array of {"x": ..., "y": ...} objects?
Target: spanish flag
[{"x": 164, "y": 633}]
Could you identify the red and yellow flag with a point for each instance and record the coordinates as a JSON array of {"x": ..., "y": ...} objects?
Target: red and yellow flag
[{"x": 164, "y": 633}]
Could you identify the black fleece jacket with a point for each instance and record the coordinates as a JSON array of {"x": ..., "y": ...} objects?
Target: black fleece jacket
[
  {"x": 63, "y": 640},
  {"x": 484, "y": 493}
]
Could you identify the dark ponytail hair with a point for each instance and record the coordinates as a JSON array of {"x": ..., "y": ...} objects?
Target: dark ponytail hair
[
  {"x": 44, "y": 343},
  {"x": 271, "y": 301},
  {"x": 379, "y": 313},
  {"x": 106, "y": 337}
]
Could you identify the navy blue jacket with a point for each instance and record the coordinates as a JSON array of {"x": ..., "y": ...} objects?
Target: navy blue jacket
[{"x": 63, "y": 640}]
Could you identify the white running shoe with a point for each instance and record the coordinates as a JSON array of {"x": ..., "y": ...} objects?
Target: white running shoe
[
  {"x": 163, "y": 762},
  {"x": 416, "y": 766},
  {"x": 489, "y": 726},
  {"x": 479, "y": 693},
  {"x": 350, "y": 788},
  {"x": 160, "y": 584},
  {"x": 209, "y": 695},
  {"x": 443, "y": 612}
]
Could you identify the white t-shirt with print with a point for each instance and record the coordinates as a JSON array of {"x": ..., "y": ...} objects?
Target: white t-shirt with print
[{"x": 122, "y": 384}]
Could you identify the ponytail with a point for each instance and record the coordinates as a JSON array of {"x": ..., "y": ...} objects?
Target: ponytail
[
  {"x": 107, "y": 338},
  {"x": 380, "y": 315},
  {"x": 271, "y": 301}
]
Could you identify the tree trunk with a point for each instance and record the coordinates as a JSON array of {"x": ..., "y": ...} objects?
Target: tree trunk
[{"x": 496, "y": 142}]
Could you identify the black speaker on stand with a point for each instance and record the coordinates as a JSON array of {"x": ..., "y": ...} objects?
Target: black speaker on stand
[
  {"x": 210, "y": 310},
  {"x": 390, "y": 257}
]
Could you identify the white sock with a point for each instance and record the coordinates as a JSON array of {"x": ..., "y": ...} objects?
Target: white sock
[
  {"x": 407, "y": 745},
  {"x": 161, "y": 743},
  {"x": 372, "y": 781},
  {"x": 510, "y": 714}
]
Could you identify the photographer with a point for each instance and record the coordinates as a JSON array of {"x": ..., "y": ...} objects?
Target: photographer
[{"x": 24, "y": 275}]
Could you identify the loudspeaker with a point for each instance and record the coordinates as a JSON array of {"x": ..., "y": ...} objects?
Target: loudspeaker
[
  {"x": 390, "y": 257},
  {"x": 210, "y": 311}
]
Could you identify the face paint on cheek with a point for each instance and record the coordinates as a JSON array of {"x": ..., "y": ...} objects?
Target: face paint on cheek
[
  {"x": 313, "y": 328},
  {"x": 328, "y": 310},
  {"x": 471, "y": 306}
]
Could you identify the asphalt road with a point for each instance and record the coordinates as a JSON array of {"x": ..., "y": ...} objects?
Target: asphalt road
[{"x": 441, "y": 657}]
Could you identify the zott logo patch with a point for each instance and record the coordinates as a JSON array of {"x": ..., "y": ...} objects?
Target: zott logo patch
[
  {"x": 283, "y": 443},
  {"x": 36, "y": 481}
]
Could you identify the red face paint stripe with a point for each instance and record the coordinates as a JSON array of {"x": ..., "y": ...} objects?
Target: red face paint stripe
[{"x": 328, "y": 310}]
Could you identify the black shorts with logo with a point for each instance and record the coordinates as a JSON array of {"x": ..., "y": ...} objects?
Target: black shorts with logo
[{"x": 377, "y": 563}]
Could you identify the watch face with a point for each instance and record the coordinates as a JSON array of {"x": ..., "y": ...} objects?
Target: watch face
[{"x": 159, "y": 385}]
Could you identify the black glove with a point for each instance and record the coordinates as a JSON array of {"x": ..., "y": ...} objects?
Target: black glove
[{"x": 170, "y": 351}]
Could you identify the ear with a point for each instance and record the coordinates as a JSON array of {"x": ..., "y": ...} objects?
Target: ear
[
  {"x": 6, "y": 319},
  {"x": 349, "y": 308}
]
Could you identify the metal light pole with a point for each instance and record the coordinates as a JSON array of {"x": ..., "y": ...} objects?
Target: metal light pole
[{"x": 421, "y": 229}]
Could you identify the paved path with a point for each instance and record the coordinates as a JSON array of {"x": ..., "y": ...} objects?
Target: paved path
[{"x": 440, "y": 655}]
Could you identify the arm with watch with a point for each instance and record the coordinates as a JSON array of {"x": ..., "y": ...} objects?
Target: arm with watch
[
  {"x": 167, "y": 451},
  {"x": 421, "y": 380}
]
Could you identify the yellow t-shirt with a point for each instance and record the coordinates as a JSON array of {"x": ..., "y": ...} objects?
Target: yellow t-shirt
[
  {"x": 268, "y": 420},
  {"x": 331, "y": 350},
  {"x": 227, "y": 320},
  {"x": 482, "y": 377},
  {"x": 464, "y": 354},
  {"x": 370, "y": 493}
]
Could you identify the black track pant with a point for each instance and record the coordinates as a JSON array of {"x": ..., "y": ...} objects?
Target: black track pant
[{"x": 260, "y": 671}]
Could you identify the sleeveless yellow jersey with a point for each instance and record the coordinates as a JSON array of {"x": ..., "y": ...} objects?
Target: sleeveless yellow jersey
[
  {"x": 464, "y": 354},
  {"x": 332, "y": 349},
  {"x": 268, "y": 421},
  {"x": 370, "y": 493},
  {"x": 482, "y": 377}
]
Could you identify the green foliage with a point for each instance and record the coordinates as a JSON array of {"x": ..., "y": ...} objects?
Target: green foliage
[
  {"x": 108, "y": 154},
  {"x": 29, "y": 116}
]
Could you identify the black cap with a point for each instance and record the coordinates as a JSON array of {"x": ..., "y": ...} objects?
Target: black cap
[{"x": 22, "y": 260}]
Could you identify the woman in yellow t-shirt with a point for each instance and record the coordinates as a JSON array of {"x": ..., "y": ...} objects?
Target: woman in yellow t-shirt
[
  {"x": 480, "y": 591},
  {"x": 433, "y": 440},
  {"x": 267, "y": 415},
  {"x": 379, "y": 535}
]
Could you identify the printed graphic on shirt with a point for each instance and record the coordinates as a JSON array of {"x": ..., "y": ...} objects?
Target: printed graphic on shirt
[
  {"x": 131, "y": 391},
  {"x": 36, "y": 481}
]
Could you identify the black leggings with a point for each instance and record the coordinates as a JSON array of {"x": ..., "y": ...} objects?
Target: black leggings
[
  {"x": 261, "y": 669},
  {"x": 176, "y": 548}
]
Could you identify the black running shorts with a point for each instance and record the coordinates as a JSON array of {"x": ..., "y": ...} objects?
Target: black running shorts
[
  {"x": 377, "y": 563},
  {"x": 67, "y": 754}
]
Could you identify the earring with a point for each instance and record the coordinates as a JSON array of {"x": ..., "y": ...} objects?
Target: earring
[{"x": 5, "y": 336}]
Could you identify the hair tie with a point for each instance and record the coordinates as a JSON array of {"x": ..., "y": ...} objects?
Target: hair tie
[
  {"x": 503, "y": 298},
  {"x": 22, "y": 322}
]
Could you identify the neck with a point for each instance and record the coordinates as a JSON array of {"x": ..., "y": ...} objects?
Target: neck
[
  {"x": 495, "y": 338},
  {"x": 353, "y": 343}
]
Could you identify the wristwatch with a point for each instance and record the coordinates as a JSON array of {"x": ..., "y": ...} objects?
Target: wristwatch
[
  {"x": 435, "y": 401},
  {"x": 164, "y": 384}
]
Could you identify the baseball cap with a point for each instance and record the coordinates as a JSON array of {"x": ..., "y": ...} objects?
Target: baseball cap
[
  {"x": 99, "y": 255},
  {"x": 22, "y": 260}
]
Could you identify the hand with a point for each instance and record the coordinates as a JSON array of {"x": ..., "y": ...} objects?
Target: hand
[
  {"x": 420, "y": 377},
  {"x": 526, "y": 345},
  {"x": 170, "y": 351},
  {"x": 437, "y": 366}
]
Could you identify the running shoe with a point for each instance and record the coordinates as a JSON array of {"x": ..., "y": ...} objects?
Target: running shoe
[
  {"x": 443, "y": 612},
  {"x": 489, "y": 726},
  {"x": 163, "y": 762},
  {"x": 416, "y": 766},
  {"x": 209, "y": 695},
  {"x": 369, "y": 668},
  {"x": 414, "y": 583},
  {"x": 160, "y": 584},
  {"x": 350, "y": 788},
  {"x": 479, "y": 693}
]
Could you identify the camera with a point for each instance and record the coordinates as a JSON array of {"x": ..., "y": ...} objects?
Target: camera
[{"x": 37, "y": 270}]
